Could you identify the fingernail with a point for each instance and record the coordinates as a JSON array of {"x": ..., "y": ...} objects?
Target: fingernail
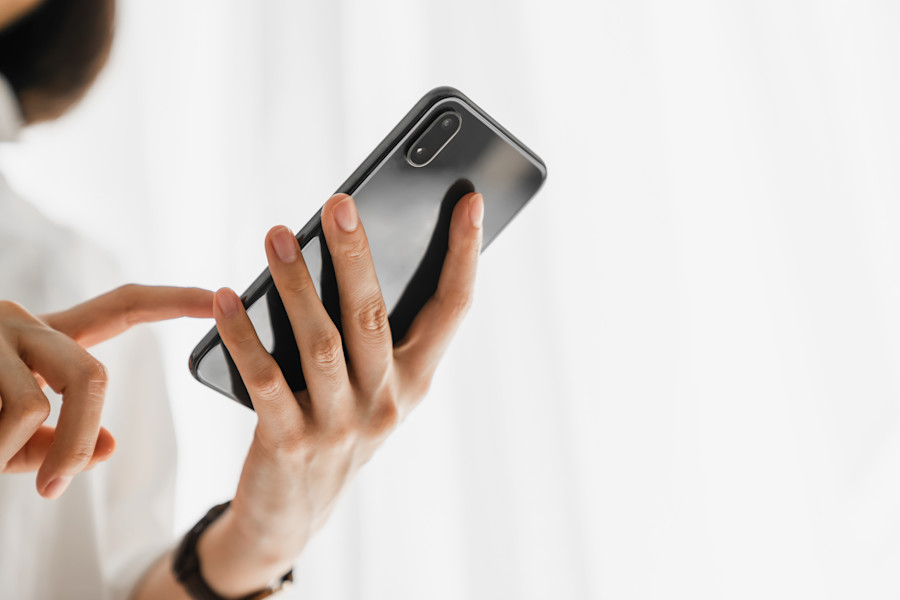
[
  {"x": 228, "y": 302},
  {"x": 56, "y": 487},
  {"x": 345, "y": 215},
  {"x": 476, "y": 210},
  {"x": 285, "y": 245}
]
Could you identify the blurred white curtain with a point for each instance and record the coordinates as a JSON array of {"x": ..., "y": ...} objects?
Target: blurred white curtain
[{"x": 680, "y": 376}]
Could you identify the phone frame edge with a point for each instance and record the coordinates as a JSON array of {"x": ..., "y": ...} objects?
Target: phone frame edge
[{"x": 262, "y": 283}]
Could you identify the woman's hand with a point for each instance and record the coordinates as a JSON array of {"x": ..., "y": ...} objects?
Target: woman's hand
[
  {"x": 308, "y": 445},
  {"x": 50, "y": 350}
]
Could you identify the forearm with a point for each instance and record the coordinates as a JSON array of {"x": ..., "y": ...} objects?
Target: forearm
[{"x": 231, "y": 563}]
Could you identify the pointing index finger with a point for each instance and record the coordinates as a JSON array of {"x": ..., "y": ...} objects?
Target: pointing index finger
[{"x": 112, "y": 313}]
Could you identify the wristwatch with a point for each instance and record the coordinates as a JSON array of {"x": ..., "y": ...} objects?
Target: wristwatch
[{"x": 186, "y": 564}]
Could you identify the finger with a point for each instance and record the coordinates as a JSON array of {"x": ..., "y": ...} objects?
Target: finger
[
  {"x": 112, "y": 313},
  {"x": 319, "y": 341},
  {"x": 364, "y": 317},
  {"x": 33, "y": 453},
  {"x": 25, "y": 407},
  {"x": 431, "y": 331},
  {"x": 280, "y": 416},
  {"x": 81, "y": 379}
]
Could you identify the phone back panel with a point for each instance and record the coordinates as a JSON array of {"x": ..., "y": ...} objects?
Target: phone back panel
[{"x": 405, "y": 211}]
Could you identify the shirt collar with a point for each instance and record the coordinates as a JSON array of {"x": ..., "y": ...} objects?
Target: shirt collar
[{"x": 11, "y": 121}]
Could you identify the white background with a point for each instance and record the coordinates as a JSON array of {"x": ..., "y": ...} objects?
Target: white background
[{"x": 680, "y": 376}]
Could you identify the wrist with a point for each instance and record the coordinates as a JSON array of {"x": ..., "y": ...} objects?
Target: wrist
[{"x": 234, "y": 562}]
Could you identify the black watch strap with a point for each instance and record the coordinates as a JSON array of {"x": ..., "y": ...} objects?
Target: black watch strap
[{"x": 186, "y": 563}]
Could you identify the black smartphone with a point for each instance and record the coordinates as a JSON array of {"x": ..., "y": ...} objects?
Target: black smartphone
[{"x": 405, "y": 191}]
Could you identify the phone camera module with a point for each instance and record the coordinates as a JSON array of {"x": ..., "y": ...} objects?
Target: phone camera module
[{"x": 436, "y": 136}]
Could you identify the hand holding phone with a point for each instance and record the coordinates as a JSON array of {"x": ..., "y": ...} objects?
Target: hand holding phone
[
  {"x": 309, "y": 443},
  {"x": 445, "y": 148},
  {"x": 332, "y": 356}
]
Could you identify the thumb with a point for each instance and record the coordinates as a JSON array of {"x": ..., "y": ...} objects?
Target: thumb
[
  {"x": 112, "y": 313},
  {"x": 32, "y": 454}
]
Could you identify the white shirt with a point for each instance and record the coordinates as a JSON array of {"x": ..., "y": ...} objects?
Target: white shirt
[{"x": 115, "y": 520}]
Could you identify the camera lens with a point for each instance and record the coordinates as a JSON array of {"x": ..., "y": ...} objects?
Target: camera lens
[{"x": 432, "y": 141}]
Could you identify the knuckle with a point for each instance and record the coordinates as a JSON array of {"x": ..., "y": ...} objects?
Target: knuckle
[
  {"x": 268, "y": 388},
  {"x": 80, "y": 453},
  {"x": 355, "y": 251},
  {"x": 327, "y": 352},
  {"x": 340, "y": 435},
  {"x": 266, "y": 382},
  {"x": 240, "y": 339},
  {"x": 384, "y": 417},
  {"x": 17, "y": 318},
  {"x": 130, "y": 293},
  {"x": 128, "y": 290},
  {"x": 8, "y": 308},
  {"x": 282, "y": 445},
  {"x": 96, "y": 377},
  {"x": 33, "y": 408},
  {"x": 128, "y": 296},
  {"x": 372, "y": 316},
  {"x": 97, "y": 372},
  {"x": 92, "y": 378},
  {"x": 244, "y": 340},
  {"x": 296, "y": 285}
]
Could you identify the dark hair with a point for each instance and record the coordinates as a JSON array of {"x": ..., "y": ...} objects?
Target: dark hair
[{"x": 51, "y": 55}]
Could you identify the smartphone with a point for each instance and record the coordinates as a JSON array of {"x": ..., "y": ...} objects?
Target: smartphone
[{"x": 405, "y": 191}]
